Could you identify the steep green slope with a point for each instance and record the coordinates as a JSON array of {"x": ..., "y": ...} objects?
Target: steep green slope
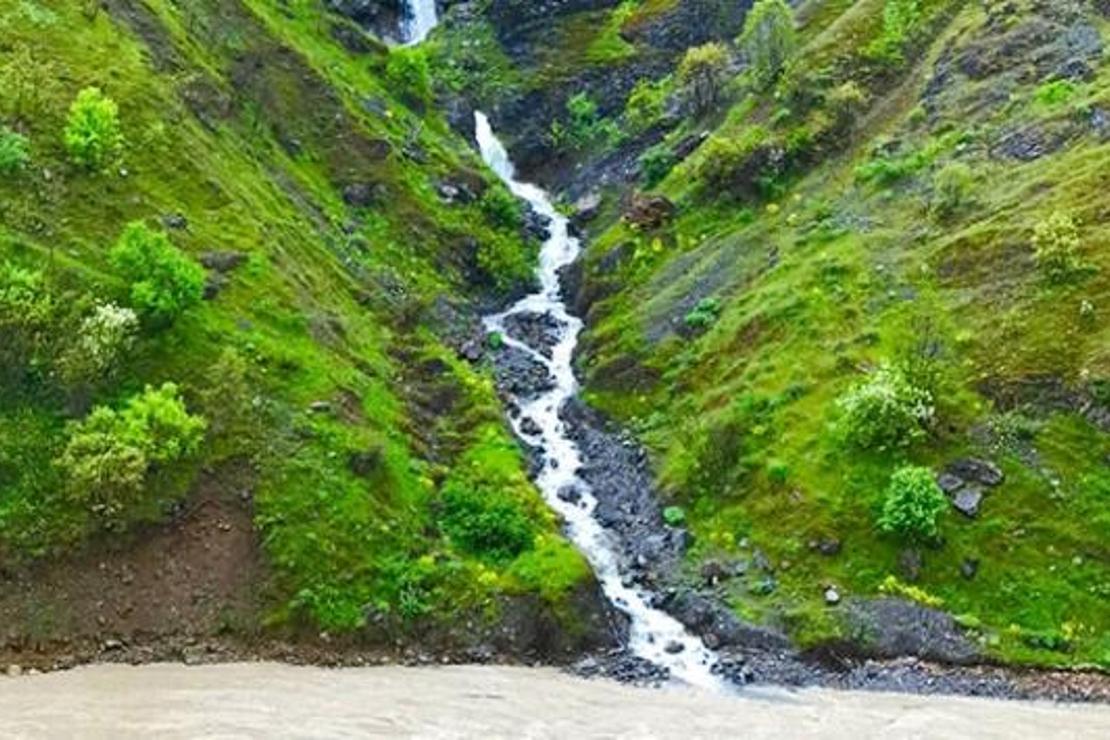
[
  {"x": 933, "y": 205},
  {"x": 347, "y": 231}
]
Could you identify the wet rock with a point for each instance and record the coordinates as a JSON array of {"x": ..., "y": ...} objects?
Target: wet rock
[
  {"x": 973, "y": 470},
  {"x": 570, "y": 494},
  {"x": 967, "y": 501},
  {"x": 536, "y": 225},
  {"x": 530, "y": 427},
  {"x": 521, "y": 375},
  {"x": 674, "y": 647},
  {"x": 539, "y": 331},
  {"x": 649, "y": 211}
]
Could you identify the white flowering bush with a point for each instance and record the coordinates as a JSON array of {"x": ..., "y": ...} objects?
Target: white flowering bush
[
  {"x": 885, "y": 411},
  {"x": 105, "y": 336}
]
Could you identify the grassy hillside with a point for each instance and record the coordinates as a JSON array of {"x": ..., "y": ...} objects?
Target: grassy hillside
[
  {"x": 921, "y": 202},
  {"x": 345, "y": 230}
]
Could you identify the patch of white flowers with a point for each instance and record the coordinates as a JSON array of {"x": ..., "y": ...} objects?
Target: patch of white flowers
[
  {"x": 105, "y": 336},
  {"x": 886, "y": 410}
]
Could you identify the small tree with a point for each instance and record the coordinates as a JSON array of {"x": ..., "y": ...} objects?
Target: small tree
[
  {"x": 26, "y": 315},
  {"x": 884, "y": 411},
  {"x": 702, "y": 75},
  {"x": 110, "y": 453},
  {"x": 13, "y": 151},
  {"x": 164, "y": 281},
  {"x": 645, "y": 105},
  {"x": 92, "y": 136},
  {"x": 1056, "y": 247},
  {"x": 913, "y": 505},
  {"x": 769, "y": 39}
]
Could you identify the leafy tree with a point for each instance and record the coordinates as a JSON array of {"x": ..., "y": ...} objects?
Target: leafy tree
[
  {"x": 913, "y": 504},
  {"x": 701, "y": 73},
  {"x": 769, "y": 39},
  {"x": 13, "y": 151},
  {"x": 1056, "y": 246},
  {"x": 164, "y": 281},
  {"x": 110, "y": 454},
  {"x": 884, "y": 411},
  {"x": 93, "y": 136}
]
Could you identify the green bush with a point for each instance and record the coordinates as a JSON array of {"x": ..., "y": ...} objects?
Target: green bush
[
  {"x": 952, "y": 188},
  {"x": 674, "y": 516},
  {"x": 103, "y": 338},
  {"x": 584, "y": 128},
  {"x": 485, "y": 521},
  {"x": 1056, "y": 247},
  {"x": 645, "y": 105},
  {"x": 900, "y": 18},
  {"x": 743, "y": 165},
  {"x": 502, "y": 208},
  {"x": 885, "y": 411},
  {"x": 28, "y": 84},
  {"x": 164, "y": 281},
  {"x": 93, "y": 136},
  {"x": 13, "y": 151},
  {"x": 701, "y": 74},
  {"x": 655, "y": 164},
  {"x": 407, "y": 71},
  {"x": 913, "y": 504},
  {"x": 769, "y": 39},
  {"x": 704, "y": 315},
  {"x": 110, "y": 454},
  {"x": 27, "y": 313}
]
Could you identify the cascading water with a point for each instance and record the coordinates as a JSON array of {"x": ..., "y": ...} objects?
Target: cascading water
[
  {"x": 420, "y": 19},
  {"x": 654, "y": 635}
]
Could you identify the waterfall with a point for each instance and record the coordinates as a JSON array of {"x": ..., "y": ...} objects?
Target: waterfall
[
  {"x": 421, "y": 17},
  {"x": 654, "y": 634}
]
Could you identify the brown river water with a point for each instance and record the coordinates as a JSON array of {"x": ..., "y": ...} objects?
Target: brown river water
[{"x": 262, "y": 700}]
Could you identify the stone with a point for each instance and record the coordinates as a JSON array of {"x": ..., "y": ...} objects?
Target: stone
[
  {"x": 968, "y": 500},
  {"x": 360, "y": 194},
  {"x": 714, "y": 571},
  {"x": 910, "y": 564},
  {"x": 586, "y": 208},
  {"x": 674, "y": 647},
  {"x": 222, "y": 261},
  {"x": 969, "y": 568},
  {"x": 570, "y": 494},
  {"x": 973, "y": 470},
  {"x": 14, "y": 671},
  {"x": 827, "y": 546},
  {"x": 949, "y": 483},
  {"x": 530, "y": 427},
  {"x": 175, "y": 221},
  {"x": 320, "y": 407},
  {"x": 649, "y": 211},
  {"x": 832, "y": 596}
]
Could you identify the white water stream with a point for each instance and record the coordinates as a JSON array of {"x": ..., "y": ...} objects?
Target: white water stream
[
  {"x": 652, "y": 631},
  {"x": 419, "y": 21}
]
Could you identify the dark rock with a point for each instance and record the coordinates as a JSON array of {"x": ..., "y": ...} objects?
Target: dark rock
[
  {"x": 175, "y": 221},
  {"x": 222, "y": 262},
  {"x": 949, "y": 483},
  {"x": 674, "y": 647},
  {"x": 973, "y": 470},
  {"x": 889, "y": 628},
  {"x": 365, "y": 464},
  {"x": 969, "y": 568},
  {"x": 530, "y": 427},
  {"x": 688, "y": 145},
  {"x": 541, "y": 332},
  {"x": 714, "y": 571},
  {"x": 649, "y": 211},
  {"x": 536, "y": 225},
  {"x": 361, "y": 194},
  {"x": 910, "y": 564},
  {"x": 827, "y": 546},
  {"x": 570, "y": 494},
  {"x": 968, "y": 500}
]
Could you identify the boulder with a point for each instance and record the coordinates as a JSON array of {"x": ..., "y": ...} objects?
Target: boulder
[
  {"x": 649, "y": 211},
  {"x": 967, "y": 501}
]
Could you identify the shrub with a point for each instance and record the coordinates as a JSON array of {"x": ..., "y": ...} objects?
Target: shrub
[
  {"x": 899, "y": 19},
  {"x": 769, "y": 39},
  {"x": 485, "y": 521},
  {"x": 110, "y": 454},
  {"x": 13, "y": 151},
  {"x": 26, "y": 316},
  {"x": 103, "y": 339},
  {"x": 674, "y": 516},
  {"x": 164, "y": 281},
  {"x": 227, "y": 399},
  {"x": 585, "y": 128},
  {"x": 701, "y": 73},
  {"x": 655, "y": 164},
  {"x": 92, "y": 135},
  {"x": 913, "y": 504},
  {"x": 28, "y": 85},
  {"x": 1056, "y": 247},
  {"x": 845, "y": 103},
  {"x": 704, "y": 315},
  {"x": 884, "y": 411},
  {"x": 501, "y": 208},
  {"x": 407, "y": 71},
  {"x": 743, "y": 165},
  {"x": 952, "y": 188},
  {"x": 645, "y": 105}
]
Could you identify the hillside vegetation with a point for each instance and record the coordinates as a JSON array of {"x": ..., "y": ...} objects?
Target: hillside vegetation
[
  {"x": 870, "y": 347},
  {"x": 238, "y": 245}
]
